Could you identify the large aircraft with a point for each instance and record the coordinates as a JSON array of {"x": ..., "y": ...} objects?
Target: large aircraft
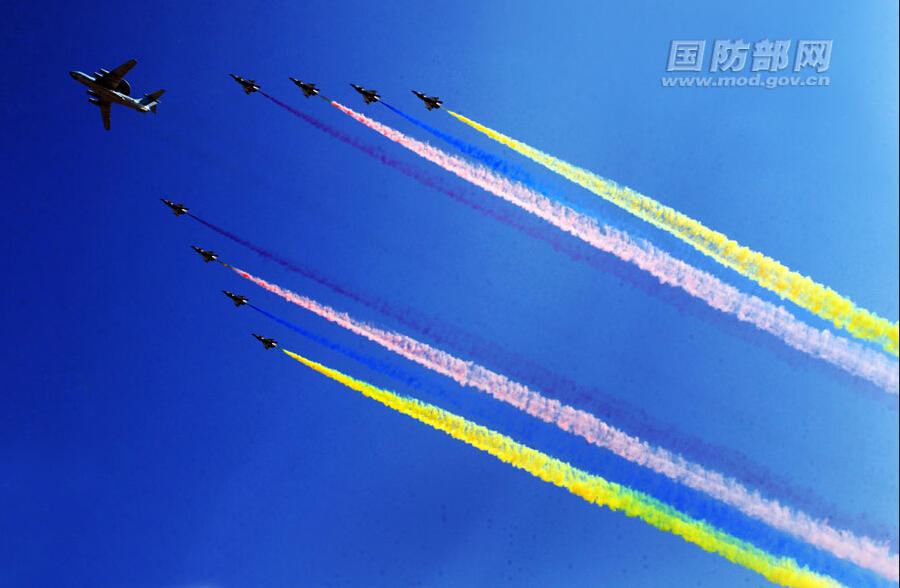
[
  {"x": 236, "y": 298},
  {"x": 106, "y": 87},
  {"x": 249, "y": 86},
  {"x": 431, "y": 102},
  {"x": 266, "y": 342},
  {"x": 177, "y": 207},
  {"x": 369, "y": 96},
  {"x": 308, "y": 89},
  {"x": 205, "y": 254}
]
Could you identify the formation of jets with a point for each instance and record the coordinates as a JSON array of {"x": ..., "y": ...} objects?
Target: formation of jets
[
  {"x": 208, "y": 256},
  {"x": 107, "y": 87}
]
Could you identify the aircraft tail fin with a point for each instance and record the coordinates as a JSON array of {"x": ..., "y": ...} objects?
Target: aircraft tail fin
[{"x": 152, "y": 100}]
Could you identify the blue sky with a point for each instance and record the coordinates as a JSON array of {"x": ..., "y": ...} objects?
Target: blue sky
[{"x": 147, "y": 440}]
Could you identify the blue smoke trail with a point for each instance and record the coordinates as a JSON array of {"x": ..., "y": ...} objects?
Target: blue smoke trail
[
  {"x": 371, "y": 363},
  {"x": 609, "y": 407},
  {"x": 496, "y": 164},
  {"x": 593, "y": 399},
  {"x": 493, "y": 162},
  {"x": 686, "y": 500}
]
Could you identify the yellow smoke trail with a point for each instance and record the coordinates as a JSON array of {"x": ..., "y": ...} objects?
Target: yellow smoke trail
[
  {"x": 764, "y": 270},
  {"x": 594, "y": 489}
]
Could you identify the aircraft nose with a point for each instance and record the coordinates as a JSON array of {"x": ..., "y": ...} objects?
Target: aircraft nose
[{"x": 74, "y": 74}]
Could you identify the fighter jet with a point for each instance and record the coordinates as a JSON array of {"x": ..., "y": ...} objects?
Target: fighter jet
[
  {"x": 369, "y": 96},
  {"x": 249, "y": 86},
  {"x": 206, "y": 255},
  {"x": 106, "y": 87},
  {"x": 236, "y": 298},
  {"x": 431, "y": 102},
  {"x": 308, "y": 89},
  {"x": 177, "y": 208},
  {"x": 266, "y": 342}
]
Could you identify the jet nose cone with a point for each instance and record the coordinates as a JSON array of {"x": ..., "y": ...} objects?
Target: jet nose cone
[{"x": 74, "y": 74}]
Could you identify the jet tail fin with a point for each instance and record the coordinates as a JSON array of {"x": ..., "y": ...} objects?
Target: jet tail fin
[{"x": 152, "y": 100}]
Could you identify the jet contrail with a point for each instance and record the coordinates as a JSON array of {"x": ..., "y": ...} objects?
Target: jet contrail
[
  {"x": 767, "y": 272},
  {"x": 843, "y": 544},
  {"x": 427, "y": 179},
  {"x": 615, "y": 408},
  {"x": 847, "y": 355},
  {"x": 313, "y": 275},
  {"x": 853, "y": 359},
  {"x": 592, "y": 488},
  {"x": 489, "y": 160},
  {"x": 374, "y": 364}
]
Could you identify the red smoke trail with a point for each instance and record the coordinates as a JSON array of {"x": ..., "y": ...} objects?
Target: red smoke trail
[
  {"x": 847, "y": 355},
  {"x": 798, "y": 336},
  {"x": 843, "y": 544},
  {"x": 602, "y": 404},
  {"x": 609, "y": 407}
]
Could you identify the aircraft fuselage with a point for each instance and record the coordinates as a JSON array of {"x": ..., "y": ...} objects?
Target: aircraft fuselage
[{"x": 104, "y": 93}]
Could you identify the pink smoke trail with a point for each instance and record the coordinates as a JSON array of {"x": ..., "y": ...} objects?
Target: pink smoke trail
[
  {"x": 623, "y": 413},
  {"x": 776, "y": 320},
  {"x": 860, "y": 550}
]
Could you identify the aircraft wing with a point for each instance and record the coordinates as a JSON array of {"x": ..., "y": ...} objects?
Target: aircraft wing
[
  {"x": 105, "y": 107},
  {"x": 113, "y": 78}
]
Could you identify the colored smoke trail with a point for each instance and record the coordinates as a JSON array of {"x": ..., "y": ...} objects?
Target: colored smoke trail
[
  {"x": 613, "y": 407},
  {"x": 847, "y": 355},
  {"x": 419, "y": 175},
  {"x": 490, "y": 160},
  {"x": 821, "y": 344},
  {"x": 336, "y": 134},
  {"x": 308, "y": 273},
  {"x": 862, "y": 551},
  {"x": 328, "y": 344},
  {"x": 593, "y": 489},
  {"x": 767, "y": 272}
]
